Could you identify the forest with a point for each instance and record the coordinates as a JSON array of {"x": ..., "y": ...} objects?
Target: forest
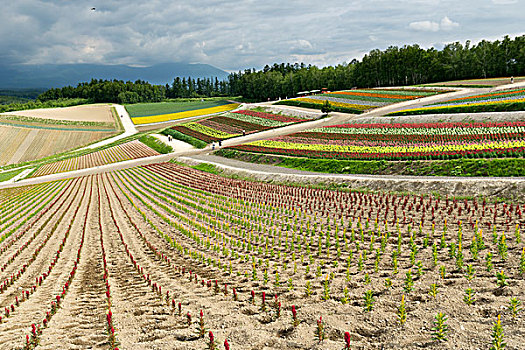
[{"x": 395, "y": 66}]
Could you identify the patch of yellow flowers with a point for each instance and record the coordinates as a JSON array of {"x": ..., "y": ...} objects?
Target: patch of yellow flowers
[{"x": 181, "y": 115}]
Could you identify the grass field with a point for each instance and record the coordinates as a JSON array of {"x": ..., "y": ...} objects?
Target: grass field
[{"x": 9, "y": 174}]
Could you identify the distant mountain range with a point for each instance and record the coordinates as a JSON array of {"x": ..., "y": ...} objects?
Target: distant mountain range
[{"x": 59, "y": 75}]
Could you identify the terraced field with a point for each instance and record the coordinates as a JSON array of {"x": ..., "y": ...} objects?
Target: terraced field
[
  {"x": 360, "y": 100},
  {"x": 35, "y": 134},
  {"x": 27, "y": 144},
  {"x": 238, "y": 123},
  {"x": 161, "y": 255},
  {"x": 130, "y": 150}
]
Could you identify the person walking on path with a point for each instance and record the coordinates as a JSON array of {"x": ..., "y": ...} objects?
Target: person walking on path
[{"x": 243, "y": 132}]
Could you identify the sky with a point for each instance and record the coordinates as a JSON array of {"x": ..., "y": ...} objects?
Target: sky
[{"x": 234, "y": 35}]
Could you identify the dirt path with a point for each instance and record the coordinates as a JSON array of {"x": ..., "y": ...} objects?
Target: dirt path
[
  {"x": 177, "y": 145},
  {"x": 80, "y": 322},
  {"x": 129, "y": 128}
]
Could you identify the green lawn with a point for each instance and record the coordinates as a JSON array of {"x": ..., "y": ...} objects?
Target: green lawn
[
  {"x": 9, "y": 175},
  {"x": 149, "y": 109}
]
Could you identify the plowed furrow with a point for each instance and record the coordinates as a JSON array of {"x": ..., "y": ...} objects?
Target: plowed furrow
[{"x": 80, "y": 322}]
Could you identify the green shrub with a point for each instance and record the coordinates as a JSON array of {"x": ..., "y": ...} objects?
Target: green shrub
[{"x": 156, "y": 144}]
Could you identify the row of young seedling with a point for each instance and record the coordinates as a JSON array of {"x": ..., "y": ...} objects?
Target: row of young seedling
[
  {"x": 30, "y": 217},
  {"x": 500, "y": 275},
  {"x": 39, "y": 280},
  {"x": 33, "y": 338},
  {"x": 110, "y": 327},
  {"x": 12, "y": 211},
  {"x": 337, "y": 242},
  {"x": 274, "y": 308},
  {"x": 16, "y": 275}
]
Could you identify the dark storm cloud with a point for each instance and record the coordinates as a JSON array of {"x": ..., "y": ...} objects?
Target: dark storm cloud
[{"x": 240, "y": 34}]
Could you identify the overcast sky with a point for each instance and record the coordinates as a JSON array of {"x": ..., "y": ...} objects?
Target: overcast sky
[{"x": 241, "y": 34}]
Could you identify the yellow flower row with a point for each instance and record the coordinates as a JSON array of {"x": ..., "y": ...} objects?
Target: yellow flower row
[
  {"x": 336, "y": 104},
  {"x": 181, "y": 115},
  {"x": 389, "y": 149}
]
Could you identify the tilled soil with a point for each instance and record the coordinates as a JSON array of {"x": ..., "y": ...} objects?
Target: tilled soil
[{"x": 159, "y": 235}]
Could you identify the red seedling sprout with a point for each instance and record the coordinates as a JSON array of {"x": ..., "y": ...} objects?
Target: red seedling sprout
[
  {"x": 188, "y": 318},
  {"x": 226, "y": 345},
  {"x": 211, "y": 345},
  {"x": 295, "y": 321},
  {"x": 347, "y": 341},
  {"x": 263, "y": 306},
  {"x": 253, "y": 297},
  {"x": 202, "y": 329},
  {"x": 320, "y": 329}
]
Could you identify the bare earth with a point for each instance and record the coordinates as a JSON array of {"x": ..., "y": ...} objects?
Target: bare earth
[
  {"x": 87, "y": 113},
  {"x": 26, "y": 144}
]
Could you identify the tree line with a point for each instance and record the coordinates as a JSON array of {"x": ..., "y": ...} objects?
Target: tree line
[
  {"x": 395, "y": 66},
  {"x": 118, "y": 91}
]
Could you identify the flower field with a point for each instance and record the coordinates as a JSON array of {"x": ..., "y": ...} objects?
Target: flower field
[
  {"x": 488, "y": 82},
  {"x": 498, "y": 101},
  {"x": 357, "y": 101},
  {"x": 232, "y": 124},
  {"x": 400, "y": 141},
  {"x": 158, "y": 118},
  {"x": 170, "y": 257},
  {"x": 131, "y": 150}
]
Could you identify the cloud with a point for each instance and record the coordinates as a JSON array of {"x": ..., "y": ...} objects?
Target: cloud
[
  {"x": 504, "y": 2},
  {"x": 424, "y": 26},
  {"x": 446, "y": 24},
  {"x": 303, "y": 47},
  {"x": 239, "y": 34}
]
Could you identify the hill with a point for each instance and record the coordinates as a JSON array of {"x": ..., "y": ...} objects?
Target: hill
[
  {"x": 34, "y": 134},
  {"x": 58, "y": 75}
]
